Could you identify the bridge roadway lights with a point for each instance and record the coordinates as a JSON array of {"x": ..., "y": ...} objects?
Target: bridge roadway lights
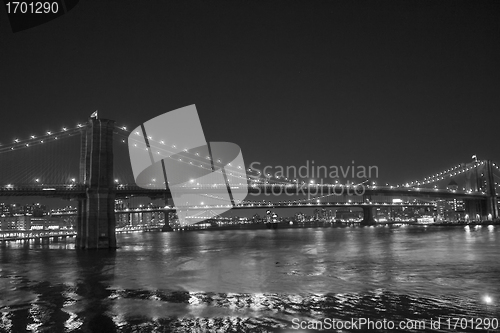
[
  {"x": 96, "y": 212},
  {"x": 368, "y": 216}
]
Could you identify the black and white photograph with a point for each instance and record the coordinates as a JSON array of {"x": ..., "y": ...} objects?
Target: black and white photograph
[{"x": 249, "y": 166}]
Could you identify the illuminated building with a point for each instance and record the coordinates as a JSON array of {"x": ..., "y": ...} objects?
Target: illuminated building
[{"x": 21, "y": 222}]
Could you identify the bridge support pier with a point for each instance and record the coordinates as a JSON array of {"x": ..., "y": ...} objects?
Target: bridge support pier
[
  {"x": 166, "y": 226},
  {"x": 96, "y": 212},
  {"x": 492, "y": 208},
  {"x": 368, "y": 216},
  {"x": 475, "y": 209}
]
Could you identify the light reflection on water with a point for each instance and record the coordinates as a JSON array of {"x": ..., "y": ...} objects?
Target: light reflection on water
[{"x": 250, "y": 280}]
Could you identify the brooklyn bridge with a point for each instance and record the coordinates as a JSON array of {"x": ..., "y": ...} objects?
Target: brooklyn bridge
[{"x": 90, "y": 164}]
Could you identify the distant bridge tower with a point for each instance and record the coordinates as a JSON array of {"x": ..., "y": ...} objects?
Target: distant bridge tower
[
  {"x": 96, "y": 211},
  {"x": 492, "y": 200},
  {"x": 481, "y": 178}
]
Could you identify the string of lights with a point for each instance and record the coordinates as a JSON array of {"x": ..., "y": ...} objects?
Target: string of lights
[
  {"x": 427, "y": 180},
  {"x": 251, "y": 177},
  {"x": 34, "y": 140},
  {"x": 161, "y": 148},
  {"x": 454, "y": 171},
  {"x": 295, "y": 202}
]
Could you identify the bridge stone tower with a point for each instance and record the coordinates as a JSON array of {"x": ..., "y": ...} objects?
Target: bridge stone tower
[
  {"x": 96, "y": 211},
  {"x": 368, "y": 218},
  {"x": 481, "y": 178}
]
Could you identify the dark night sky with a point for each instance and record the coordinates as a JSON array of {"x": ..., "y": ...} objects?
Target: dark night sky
[{"x": 409, "y": 86}]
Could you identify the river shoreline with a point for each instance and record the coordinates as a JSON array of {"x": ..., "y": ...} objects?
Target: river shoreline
[{"x": 318, "y": 224}]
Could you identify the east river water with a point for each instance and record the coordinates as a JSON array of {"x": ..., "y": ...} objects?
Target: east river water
[{"x": 257, "y": 281}]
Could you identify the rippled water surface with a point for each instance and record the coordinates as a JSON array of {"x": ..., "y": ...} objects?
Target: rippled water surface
[{"x": 252, "y": 280}]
